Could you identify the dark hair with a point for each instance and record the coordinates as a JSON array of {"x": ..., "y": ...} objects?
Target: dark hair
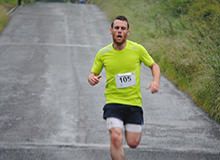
[{"x": 122, "y": 18}]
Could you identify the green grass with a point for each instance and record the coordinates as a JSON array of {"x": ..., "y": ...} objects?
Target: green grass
[
  {"x": 3, "y": 18},
  {"x": 183, "y": 36},
  {"x": 5, "y": 6}
]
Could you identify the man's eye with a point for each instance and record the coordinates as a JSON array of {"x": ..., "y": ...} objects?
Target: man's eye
[{"x": 116, "y": 27}]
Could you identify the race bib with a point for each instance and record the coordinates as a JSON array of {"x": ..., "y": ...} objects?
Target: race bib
[{"x": 125, "y": 80}]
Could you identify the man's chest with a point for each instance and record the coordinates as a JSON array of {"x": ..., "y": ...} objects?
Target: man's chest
[{"x": 121, "y": 62}]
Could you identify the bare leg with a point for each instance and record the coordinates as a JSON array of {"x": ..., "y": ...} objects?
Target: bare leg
[
  {"x": 116, "y": 148},
  {"x": 133, "y": 139}
]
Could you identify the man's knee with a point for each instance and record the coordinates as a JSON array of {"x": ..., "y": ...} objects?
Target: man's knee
[
  {"x": 133, "y": 143},
  {"x": 133, "y": 139},
  {"x": 116, "y": 137}
]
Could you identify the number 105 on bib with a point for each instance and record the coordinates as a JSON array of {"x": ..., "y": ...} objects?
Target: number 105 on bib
[{"x": 125, "y": 80}]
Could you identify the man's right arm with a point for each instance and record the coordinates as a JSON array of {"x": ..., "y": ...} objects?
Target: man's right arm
[{"x": 94, "y": 79}]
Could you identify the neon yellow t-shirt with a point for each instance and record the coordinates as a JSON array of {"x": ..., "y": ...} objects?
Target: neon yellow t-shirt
[{"x": 122, "y": 72}]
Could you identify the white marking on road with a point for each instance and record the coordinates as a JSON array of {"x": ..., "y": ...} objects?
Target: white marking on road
[
  {"x": 66, "y": 30},
  {"x": 40, "y": 145},
  {"x": 29, "y": 145},
  {"x": 53, "y": 44}
]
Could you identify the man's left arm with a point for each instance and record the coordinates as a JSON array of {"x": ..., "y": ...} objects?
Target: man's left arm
[{"x": 155, "y": 84}]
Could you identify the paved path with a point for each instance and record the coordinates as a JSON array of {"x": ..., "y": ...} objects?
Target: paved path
[{"x": 49, "y": 112}]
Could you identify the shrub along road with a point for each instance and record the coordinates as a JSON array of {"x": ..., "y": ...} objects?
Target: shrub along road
[{"x": 49, "y": 112}]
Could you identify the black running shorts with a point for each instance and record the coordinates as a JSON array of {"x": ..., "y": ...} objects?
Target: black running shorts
[{"x": 127, "y": 113}]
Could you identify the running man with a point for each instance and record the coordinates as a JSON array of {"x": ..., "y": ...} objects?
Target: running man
[{"x": 123, "y": 109}]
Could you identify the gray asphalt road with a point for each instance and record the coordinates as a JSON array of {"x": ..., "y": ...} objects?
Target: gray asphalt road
[{"x": 49, "y": 112}]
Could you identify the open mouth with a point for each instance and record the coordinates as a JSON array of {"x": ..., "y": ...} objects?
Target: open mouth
[{"x": 119, "y": 36}]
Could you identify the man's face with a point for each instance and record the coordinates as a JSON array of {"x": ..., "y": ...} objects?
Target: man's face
[{"x": 119, "y": 31}]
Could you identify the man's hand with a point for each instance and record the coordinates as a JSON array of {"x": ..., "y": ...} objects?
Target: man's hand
[
  {"x": 155, "y": 84},
  {"x": 94, "y": 79},
  {"x": 154, "y": 87}
]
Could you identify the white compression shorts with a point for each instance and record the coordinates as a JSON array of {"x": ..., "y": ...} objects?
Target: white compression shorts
[{"x": 117, "y": 123}]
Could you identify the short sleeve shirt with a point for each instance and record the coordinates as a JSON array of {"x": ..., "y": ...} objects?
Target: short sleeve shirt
[{"x": 122, "y": 72}]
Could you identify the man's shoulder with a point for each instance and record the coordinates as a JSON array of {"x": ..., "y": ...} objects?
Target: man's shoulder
[
  {"x": 134, "y": 45},
  {"x": 105, "y": 49}
]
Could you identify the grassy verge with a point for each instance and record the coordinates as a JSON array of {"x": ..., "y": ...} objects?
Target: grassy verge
[
  {"x": 5, "y": 6},
  {"x": 183, "y": 37},
  {"x": 3, "y": 18}
]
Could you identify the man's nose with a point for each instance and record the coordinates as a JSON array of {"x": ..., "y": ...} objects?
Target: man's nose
[{"x": 119, "y": 30}]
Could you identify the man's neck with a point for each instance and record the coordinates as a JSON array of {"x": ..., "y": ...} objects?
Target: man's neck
[{"x": 119, "y": 46}]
